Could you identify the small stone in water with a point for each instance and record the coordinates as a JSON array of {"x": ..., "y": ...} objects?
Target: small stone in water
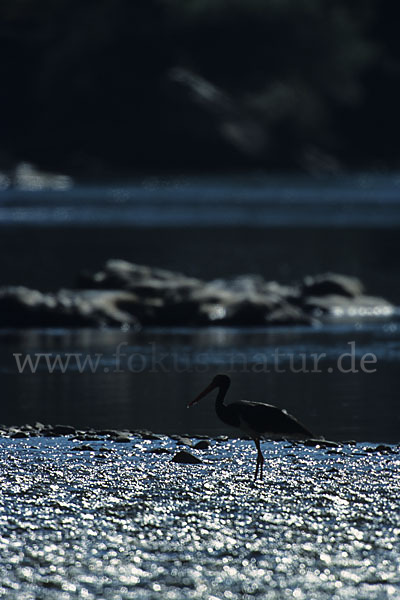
[
  {"x": 181, "y": 439},
  {"x": 122, "y": 439},
  {"x": 185, "y": 458},
  {"x": 379, "y": 448},
  {"x": 202, "y": 445},
  {"x": 19, "y": 434},
  {"x": 321, "y": 443},
  {"x": 147, "y": 435},
  {"x": 64, "y": 430}
]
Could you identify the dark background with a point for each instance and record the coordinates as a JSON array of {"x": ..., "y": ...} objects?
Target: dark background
[{"x": 113, "y": 86}]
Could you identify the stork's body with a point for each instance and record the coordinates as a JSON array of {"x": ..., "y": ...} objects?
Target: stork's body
[{"x": 253, "y": 418}]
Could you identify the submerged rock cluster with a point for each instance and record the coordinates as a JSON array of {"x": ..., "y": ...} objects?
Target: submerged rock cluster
[{"x": 123, "y": 293}]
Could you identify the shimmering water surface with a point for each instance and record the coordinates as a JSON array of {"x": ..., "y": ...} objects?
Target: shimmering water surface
[{"x": 123, "y": 522}]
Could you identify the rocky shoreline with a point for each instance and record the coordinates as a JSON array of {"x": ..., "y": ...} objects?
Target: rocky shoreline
[
  {"x": 124, "y": 294},
  {"x": 184, "y": 443}
]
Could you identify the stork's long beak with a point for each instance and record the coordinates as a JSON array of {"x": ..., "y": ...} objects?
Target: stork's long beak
[{"x": 208, "y": 389}]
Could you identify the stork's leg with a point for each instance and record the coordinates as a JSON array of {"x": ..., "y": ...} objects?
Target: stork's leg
[
  {"x": 260, "y": 458},
  {"x": 257, "y": 464}
]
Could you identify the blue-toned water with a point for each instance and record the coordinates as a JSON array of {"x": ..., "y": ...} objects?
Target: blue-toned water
[
  {"x": 283, "y": 227},
  {"x": 256, "y": 200},
  {"x": 143, "y": 380},
  {"x": 121, "y": 521}
]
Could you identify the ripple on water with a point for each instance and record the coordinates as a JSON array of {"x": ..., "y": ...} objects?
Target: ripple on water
[{"x": 132, "y": 524}]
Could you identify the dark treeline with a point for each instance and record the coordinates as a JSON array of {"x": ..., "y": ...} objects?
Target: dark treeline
[{"x": 98, "y": 85}]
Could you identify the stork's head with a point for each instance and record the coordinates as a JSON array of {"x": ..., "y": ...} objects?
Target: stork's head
[{"x": 219, "y": 381}]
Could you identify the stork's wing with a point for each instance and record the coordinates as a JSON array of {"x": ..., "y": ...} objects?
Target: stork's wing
[{"x": 268, "y": 419}]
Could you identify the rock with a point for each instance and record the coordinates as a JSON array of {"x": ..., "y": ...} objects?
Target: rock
[
  {"x": 64, "y": 430},
  {"x": 254, "y": 309},
  {"x": 147, "y": 435},
  {"x": 181, "y": 439},
  {"x": 158, "y": 451},
  {"x": 22, "y": 307},
  {"x": 380, "y": 448},
  {"x": 47, "y": 431},
  {"x": 143, "y": 280},
  {"x": 349, "y": 308},
  {"x": 122, "y": 439},
  {"x": 332, "y": 283},
  {"x": 105, "y": 450},
  {"x": 126, "y": 295},
  {"x": 244, "y": 284},
  {"x": 320, "y": 443},
  {"x": 82, "y": 448},
  {"x": 19, "y": 434},
  {"x": 185, "y": 458},
  {"x": 288, "y": 314},
  {"x": 327, "y": 304},
  {"x": 202, "y": 445}
]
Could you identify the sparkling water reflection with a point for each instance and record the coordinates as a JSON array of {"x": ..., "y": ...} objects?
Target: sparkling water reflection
[{"x": 126, "y": 523}]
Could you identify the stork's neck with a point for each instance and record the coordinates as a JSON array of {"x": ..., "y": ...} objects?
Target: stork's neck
[{"x": 220, "y": 407}]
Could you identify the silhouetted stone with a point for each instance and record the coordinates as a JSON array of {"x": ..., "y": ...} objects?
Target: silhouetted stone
[
  {"x": 83, "y": 448},
  {"x": 185, "y": 458},
  {"x": 380, "y": 448},
  {"x": 320, "y": 443},
  {"x": 19, "y": 434},
  {"x": 64, "y": 430},
  {"x": 105, "y": 450},
  {"x": 202, "y": 445},
  {"x": 122, "y": 439},
  {"x": 147, "y": 435}
]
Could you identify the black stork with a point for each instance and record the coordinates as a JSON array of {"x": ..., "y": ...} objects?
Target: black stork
[{"x": 253, "y": 418}]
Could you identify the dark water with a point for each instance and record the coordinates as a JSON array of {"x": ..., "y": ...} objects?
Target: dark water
[
  {"x": 281, "y": 227},
  {"x": 158, "y": 371}
]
